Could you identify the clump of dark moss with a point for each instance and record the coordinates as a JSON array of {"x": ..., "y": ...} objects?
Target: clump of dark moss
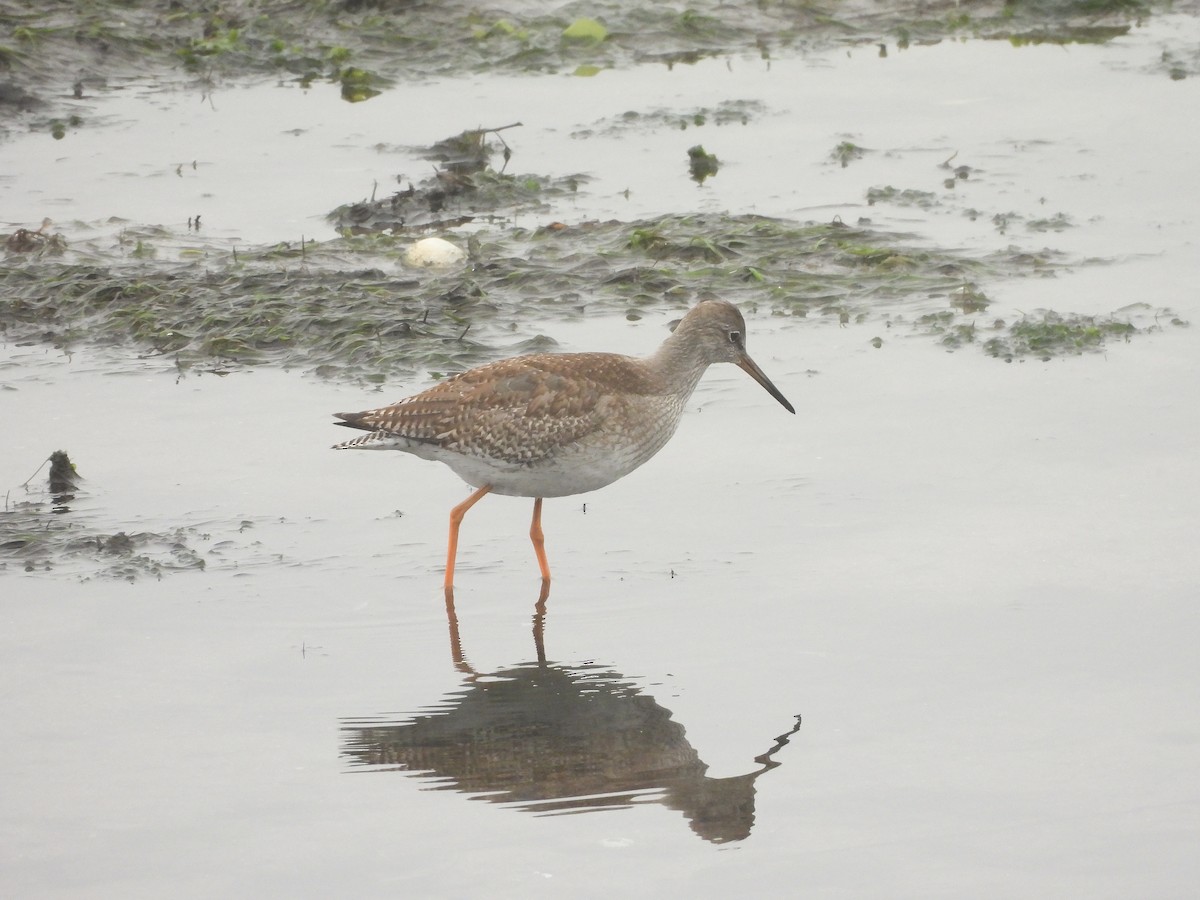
[
  {"x": 968, "y": 298},
  {"x": 64, "y": 477},
  {"x": 1048, "y": 334},
  {"x": 1056, "y": 222},
  {"x": 725, "y": 113},
  {"x": 846, "y": 152},
  {"x": 702, "y": 165},
  {"x": 901, "y": 197},
  {"x": 464, "y": 185}
]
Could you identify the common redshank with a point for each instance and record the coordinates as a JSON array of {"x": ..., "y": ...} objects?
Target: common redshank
[{"x": 556, "y": 424}]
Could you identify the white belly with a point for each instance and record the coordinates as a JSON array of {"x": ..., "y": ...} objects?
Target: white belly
[
  {"x": 577, "y": 469},
  {"x": 567, "y": 473}
]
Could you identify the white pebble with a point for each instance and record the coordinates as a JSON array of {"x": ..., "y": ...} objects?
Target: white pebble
[{"x": 433, "y": 253}]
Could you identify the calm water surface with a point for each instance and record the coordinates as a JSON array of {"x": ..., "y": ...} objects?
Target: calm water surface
[{"x": 973, "y": 582}]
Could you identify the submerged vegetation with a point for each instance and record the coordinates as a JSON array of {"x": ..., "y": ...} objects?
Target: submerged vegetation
[
  {"x": 1045, "y": 334},
  {"x": 303, "y": 306},
  {"x": 356, "y": 307},
  {"x": 701, "y": 164},
  {"x": 465, "y": 186},
  {"x": 366, "y": 45},
  {"x": 350, "y": 308}
]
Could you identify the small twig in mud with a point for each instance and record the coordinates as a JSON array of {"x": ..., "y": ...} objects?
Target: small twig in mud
[
  {"x": 464, "y": 333},
  {"x": 35, "y": 471},
  {"x": 500, "y": 138},
  {"x": 946, "y": 164}
]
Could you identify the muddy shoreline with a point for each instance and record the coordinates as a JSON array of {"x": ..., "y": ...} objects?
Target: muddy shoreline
[
  {"x": 64, "y": 49},
  {"x": 217, "y": 306}
]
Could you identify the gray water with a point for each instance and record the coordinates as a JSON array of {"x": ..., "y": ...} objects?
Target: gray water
[{"x": 975, "y": 582}]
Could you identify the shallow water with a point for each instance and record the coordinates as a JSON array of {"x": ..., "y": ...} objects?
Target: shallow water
[
  {"x": 975, "y": 582},
  {"x": 167, "y": 150}
]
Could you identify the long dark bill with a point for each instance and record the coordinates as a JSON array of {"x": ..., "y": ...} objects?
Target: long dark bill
[{"x": 748, "y": 365}]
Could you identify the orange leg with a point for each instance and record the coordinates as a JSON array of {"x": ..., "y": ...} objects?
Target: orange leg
[
  {"x": 539, "y": 541},
  {"x": 539, "y": 622},
  {"x": 456, "y": 517}
]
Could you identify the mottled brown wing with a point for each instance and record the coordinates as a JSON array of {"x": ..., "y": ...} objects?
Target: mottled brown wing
[{"x": 518, "y": 410}]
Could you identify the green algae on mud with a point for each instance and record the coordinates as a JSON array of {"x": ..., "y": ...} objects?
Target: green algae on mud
[
  {"x": 368, "y": 46},
  {"x": 702, "y": 165},
  {"x": 347, "y": 308},
  {"x": 722, "y": 114},
  {"x": 1045, "y": 334},
  {"x": 464, "y": 188}
]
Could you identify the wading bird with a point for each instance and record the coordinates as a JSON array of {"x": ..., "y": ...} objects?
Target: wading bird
[{"x": 555, "y": 424}]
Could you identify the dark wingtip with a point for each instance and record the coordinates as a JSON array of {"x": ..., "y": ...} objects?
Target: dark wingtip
[{"x": 352, "y": 420}]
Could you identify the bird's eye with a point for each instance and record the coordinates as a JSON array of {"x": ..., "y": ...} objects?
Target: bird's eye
[{"x": 735, "y": 337}]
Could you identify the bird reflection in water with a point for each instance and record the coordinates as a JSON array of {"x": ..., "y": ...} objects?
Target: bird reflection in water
[{"x": 550, "y": 738}]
